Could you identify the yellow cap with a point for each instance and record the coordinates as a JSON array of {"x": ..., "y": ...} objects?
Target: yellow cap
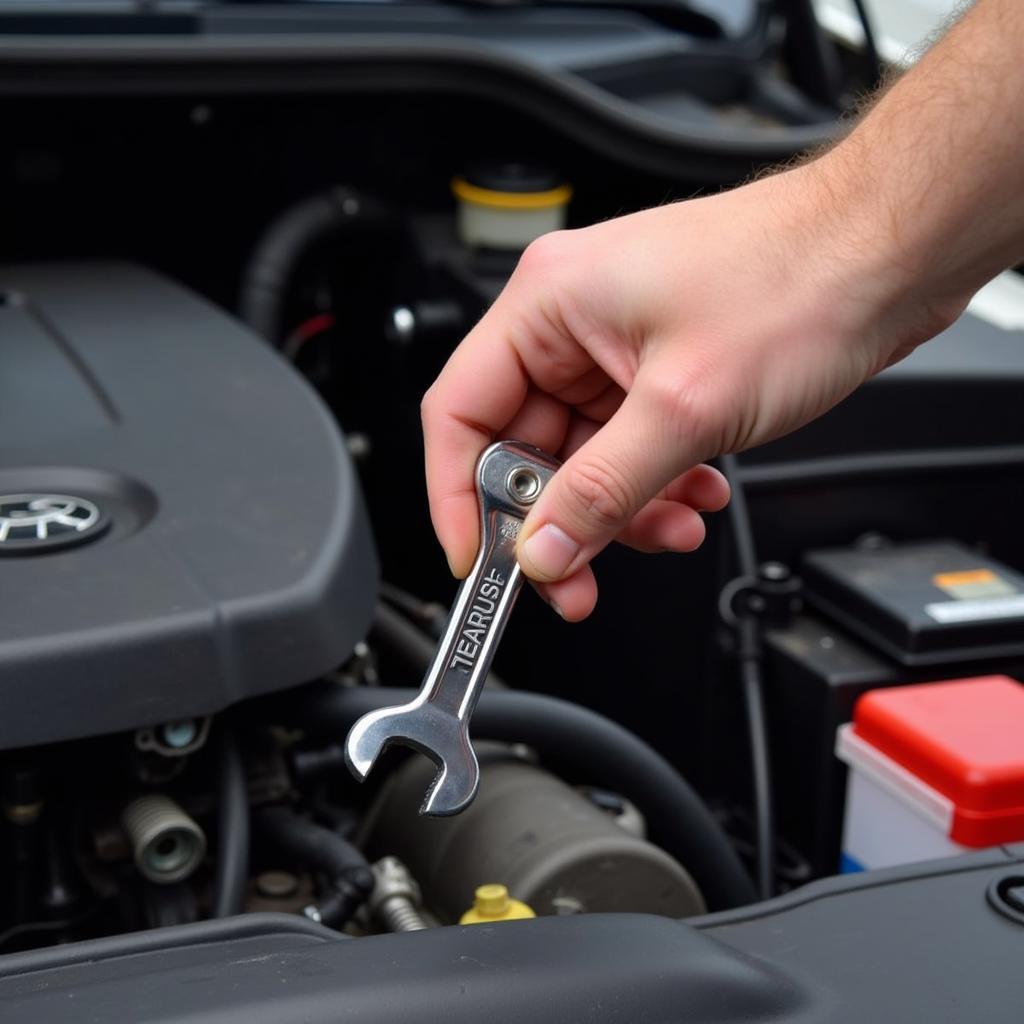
[
  {"x": 493, "y": 903},
  {"x": 469, "y": 193}
]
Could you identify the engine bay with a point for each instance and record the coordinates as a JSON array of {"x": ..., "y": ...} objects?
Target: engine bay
[{"x": 232, "y": 264}]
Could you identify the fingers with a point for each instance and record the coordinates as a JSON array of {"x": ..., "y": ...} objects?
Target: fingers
[
  {"x": 460, "y": 418},
  {"x": 481, "y": 392},
  {"x": 573, "y": 598},
  {"x": 595, "y": 403},
  {"x": 609, "y": 480},
  {"x": 541, "y": 421},
  {"x": 670, "y": 523},
  {"x": 703, "y": 488},
  {"x": 664, "y": 526}
]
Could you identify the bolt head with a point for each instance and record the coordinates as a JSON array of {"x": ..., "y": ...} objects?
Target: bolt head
[{"x": 179, "y": 734}]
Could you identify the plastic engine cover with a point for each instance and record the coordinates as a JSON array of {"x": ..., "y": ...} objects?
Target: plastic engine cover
[{"x": 180, "y": 524}]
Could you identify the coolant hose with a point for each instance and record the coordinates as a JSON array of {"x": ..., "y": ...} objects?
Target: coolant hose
[
  {"x": 231, "y": 877},
  {"x": 573, "y": 739},
  {"x": 282, "y": 246},
  {"x": 323, "y": 850}
]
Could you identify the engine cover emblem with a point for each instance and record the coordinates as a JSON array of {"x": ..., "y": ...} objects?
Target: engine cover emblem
[{"x": 32, "y": 523}]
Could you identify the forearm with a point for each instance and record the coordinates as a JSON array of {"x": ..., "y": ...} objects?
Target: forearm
[
  {"x": 929, "y": 183},
  {"x": 639, "y": 347}
]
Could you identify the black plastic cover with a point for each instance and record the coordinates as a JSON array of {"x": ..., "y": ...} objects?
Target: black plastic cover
[
  {"x": 238, "y": 558},
  {"x": 924, "y": 603},
  {"x": 621, "y": 968},
  {"x": 920, "y": 943}
]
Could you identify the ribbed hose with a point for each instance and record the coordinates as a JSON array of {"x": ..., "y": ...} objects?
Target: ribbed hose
[
  {"x": 399, "y": 915},
  {"x": 578, "y": 743}
]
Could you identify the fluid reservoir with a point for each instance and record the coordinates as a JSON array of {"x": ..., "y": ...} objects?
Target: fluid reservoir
[
  {"x": 505, "y": 206},
  {"x": 550, "y": 846}
]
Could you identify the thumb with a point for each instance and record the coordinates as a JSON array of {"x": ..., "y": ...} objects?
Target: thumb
[{"x": 596, "y": 493}]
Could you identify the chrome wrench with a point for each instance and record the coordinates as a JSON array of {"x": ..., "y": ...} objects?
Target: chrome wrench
[{"x": 509, "y": 478}]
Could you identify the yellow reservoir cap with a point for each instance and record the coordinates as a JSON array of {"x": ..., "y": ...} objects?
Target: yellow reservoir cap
[
  {"x": 470, "y": 193},
  {"x": 493, "y": 903}
]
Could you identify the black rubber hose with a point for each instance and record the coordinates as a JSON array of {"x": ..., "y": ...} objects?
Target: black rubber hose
[
  {"x": 314, "y": 845},
  {"x": 901, "y": 466},
  {"x": 325, "y": 851},
  {"x": 749, "y": 657},
  {"x": 231, "y": 877},
  {"x": 576, "y": 741},
  {"x": 286, "y": 240}
]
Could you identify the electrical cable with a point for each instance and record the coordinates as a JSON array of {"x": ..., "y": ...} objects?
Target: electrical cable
[
  {"x": 749, "y": 657},
  {"x": 309, "y": 329},
  {"x": 47, "y": 927},
  {"x": 870, "y": 43},
  {"x": 429, "y": 615},
  {"x": 760, "y": 760},
  {"x": 573, "y": 740},
  {"x": 739, "y": 519}
]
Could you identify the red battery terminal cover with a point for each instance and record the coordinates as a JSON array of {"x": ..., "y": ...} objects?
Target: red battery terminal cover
[{"x": 965, "y": 739}]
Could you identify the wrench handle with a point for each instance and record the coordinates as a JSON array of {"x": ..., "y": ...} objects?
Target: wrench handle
[
  {"x": 477, "y": 620},
  {"x": 509, "y": 476}
]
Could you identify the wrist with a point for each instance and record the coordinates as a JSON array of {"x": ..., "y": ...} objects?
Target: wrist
[{"x": 873, "y": 256}]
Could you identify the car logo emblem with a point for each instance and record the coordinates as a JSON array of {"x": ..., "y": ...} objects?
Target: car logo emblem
[{"x": 37, "y": 522}]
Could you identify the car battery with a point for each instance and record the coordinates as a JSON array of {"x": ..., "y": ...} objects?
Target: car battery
[
  {"x": 869, "y": 624},
  {"x": 935, "y": 770},
  {"x": 920, "y": 603}
]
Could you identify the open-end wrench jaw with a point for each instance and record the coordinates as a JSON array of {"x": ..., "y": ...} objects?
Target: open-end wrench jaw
[
  {"x": 434, "y": 733},
  {"x": 510, "y": 477}
]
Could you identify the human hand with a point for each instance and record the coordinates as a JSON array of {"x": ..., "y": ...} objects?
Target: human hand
[{"x": 638, "y": 348}]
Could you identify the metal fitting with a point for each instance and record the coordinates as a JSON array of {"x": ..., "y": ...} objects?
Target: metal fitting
[
  {"x": 402, "y": 325},
  {"x": 167, "y": 845},
  {"x": 395, "y": 900},
  {"x": 173, "y": 739}
]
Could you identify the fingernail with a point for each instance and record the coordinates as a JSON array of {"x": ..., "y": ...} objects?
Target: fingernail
[
  {"x": 558, "y": 611},
  {"x": 549, "y": 552}
]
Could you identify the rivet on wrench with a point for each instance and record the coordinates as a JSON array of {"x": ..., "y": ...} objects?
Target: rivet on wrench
[{"x": 509, "y": 478}]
